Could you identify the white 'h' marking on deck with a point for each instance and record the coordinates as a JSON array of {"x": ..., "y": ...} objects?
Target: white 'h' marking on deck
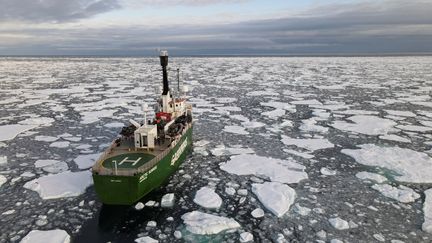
[{"x": 126, "y": 160}]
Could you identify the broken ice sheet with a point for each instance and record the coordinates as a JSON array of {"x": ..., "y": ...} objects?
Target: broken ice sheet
[
  {"x": 275, "y": 196},
  {"x": 206, "y": 224}
]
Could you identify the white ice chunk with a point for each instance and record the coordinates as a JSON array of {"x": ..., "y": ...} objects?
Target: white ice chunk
[
  {"x": 327, "y": 171},
  {"x": 246, "y": 237},
  {"x": 9, "y": 132},
  {"x": 300, "y": 154},
  {"x": 277, "y": 170},
  {"x": 61, "y": 144},
  {"x": 3, "y": 160},
  {"x": 206, "y": 224},
  {"x": 257, "y": 213},
  {"x": 402, "y": 193},
  {"x": 306, "y": 102},
  {"x": 369, "y": 125},
  {"x": 252, "y": 124},
  {"x": 46, "y": 138},
  {"x": 206, "y": 197},
  {"x": 46, "y": 236},
  {"x": 309, "y": 125},
  {"x": 274, "y": 114},
  {"x": 167, "y": 200},
  {"x": 146, "y": 239},
  {"x": 427, "y": 210},
  {"x": 51, "y": 166},
  {"x": 401, "y": 113},
  {"x": 3, "y": 180},
  {"x": 414, "y": 128},
  {"x": 86, "y": 161},
  {"x": 339, "y": 223},
  {"x": 222, "y": 150},
  {"x": 139, "y": 206},
  {"x": 364, "y": 175},
  {"x": 311, "y": 144},
  {"x": 236, "y": 130},
  {"x": 409, "y": 165},
  {"x": 275, "y": 196},
  {"x": 65, "y": 184},
  {"x": 395, "y": 138}
]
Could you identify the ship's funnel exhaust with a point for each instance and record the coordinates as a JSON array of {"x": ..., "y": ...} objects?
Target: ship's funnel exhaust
[{"x": 164, "y": 62}]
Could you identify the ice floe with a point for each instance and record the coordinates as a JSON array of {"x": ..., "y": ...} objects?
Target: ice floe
[
  {"x": 402, "y": 193},
  {"x": 311, "y": 144},
  {"x": 146, "y": 239},
  {"x": 206, "y": 224},
  {"x": 309, "y": 125},
  {"x": 246, "y": 237},
  {"x": 167, "y": 200},
  {"x": 339, "y": 223},
  {"x": 46, "y": 236},
  {"x": 396, "y": 138},
  {"x": 236, "y": 130},
  {"x": 222, "y": 150},
  {"x": 65, "y": 184},
  {"x": 206, "y": 197},
  {"x": 86, "y": 161},
  {"x": 306, "y": 102},
  {"x": 9, "y": 132},
  {"x": 275, "y": 196},
  {"x": 427, "y": 210},
  {"x": 401, "y": 113},
  {"x": 257, "y": 213},
  {"x": 51, "y": 166},
  {"x": 277, "y": 170},
  {"x": 364, "y": 175},
  {"x": 60, "y": 144},
  {"x": 414, "y": 128},
  {"x": 274, "y": 114},
  {"x": 46, "y": 138},
  {"x": 327, "y": 171},
  {"x": 3, "y": 180},
  {"x": 369, "y": 125},
  {"x": 408, "y": 165}
]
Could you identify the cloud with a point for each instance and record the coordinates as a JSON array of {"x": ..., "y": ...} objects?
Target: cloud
[
  {"x": 386, "y": 27},
  {"x": 53, "y": 10}
]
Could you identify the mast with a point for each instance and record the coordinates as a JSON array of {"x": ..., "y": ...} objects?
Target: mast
[{"x": 164, "y": 63}]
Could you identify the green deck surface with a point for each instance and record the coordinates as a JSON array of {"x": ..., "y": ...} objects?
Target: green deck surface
[{"x": 128, "y": 160}]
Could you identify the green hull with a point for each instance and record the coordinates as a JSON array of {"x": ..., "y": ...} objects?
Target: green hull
[{"x": 127, "y": 190}]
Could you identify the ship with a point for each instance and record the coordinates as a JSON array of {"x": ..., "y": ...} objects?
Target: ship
[{"x": 146, "y": 154}]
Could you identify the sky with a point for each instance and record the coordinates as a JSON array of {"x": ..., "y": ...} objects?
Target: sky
[{"x": 215, "y": 27}]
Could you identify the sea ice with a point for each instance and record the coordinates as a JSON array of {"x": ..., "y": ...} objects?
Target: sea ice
[
  {"x": 146, "y": 239},
  {"x": 311, "y": 144},
  {"x": 9, "y": 132},
  {"x": 206, "y": 197},
  {"x": 88, "y": 117},
  {"x": 275, "y": 196},
  {"x": 257, "y": 213},
  {"x": 61, "y": 144},
  {"x": 427, "y": 210},
  {"x": 395, "y": 138},
  {"x": 339, "y": 223},
  {"x": 86, "y": 161},
  {"x": 274, "y": 114},
  {"x": 167, "y": 200},
  {"x": 222, "y": 150},
  {"x": 3, "y": 180},
  {"x": 252, "y": 124},
  {"x": 206, "y": 224},
  {"x": 369, "y": 125},
  {"x": 300, "y": 154},
  {"x": 3, "y": 160},
  {"x": 414, "y": 128},
  {"x": 306, "y": 102},
  {"x": 46, "y": 138},
  {"x": 277, "y": 170},
  {"x": 246, "y": 237},
  {"x": 409, "y": 165},
  {"x": 46, "y": 236},
  {"x": 309, "y": 125},
  {"x": 139, "y": 206},
  {"x": 51, "y": 166},
  {"x": 236, "y": 130},
  {"x": 65, "y": 184},
  {"x": 401, "y": 113},
  {"x": 402, "y": 193},
  {"x": 327, "y": 172},
  {"x": 363, "y": 175}
]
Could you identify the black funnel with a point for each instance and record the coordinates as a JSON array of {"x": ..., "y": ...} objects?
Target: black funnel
[{"x": 164, "y": 62}]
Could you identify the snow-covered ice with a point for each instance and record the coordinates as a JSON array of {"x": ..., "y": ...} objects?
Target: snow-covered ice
[
  {"x": 284, "y": 171},
  {"x": 205, "y": 224},
  {"x": 9, "y": 132},
  {"x": 369, "y": 125},
  {"x": 275, "y": 196},
  {"x": 236, "y": 130},
  {"x": 339, "y": 223},
  {"x": 427, "y": 210},
  {"x": 65, "y": 184},
  {"x": 3, "y": 180},
  {"x": 206, "y": 197},
  {"x": 409, "y": 165},
  {"x": 257, "y": 213},
  {"x": 46, "y": 236},
  {"x": 146, "y": 239},
  {"x": 311, "y": 144},
  {"x": 364, "y": 175},
  {"x": 246, "y": 237},
  {"x": 396, "y": 138},
  {"x": 167, "y": 200},
  {"x": 402, "y": 193},
  {"x": 86, "y": 161}
]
